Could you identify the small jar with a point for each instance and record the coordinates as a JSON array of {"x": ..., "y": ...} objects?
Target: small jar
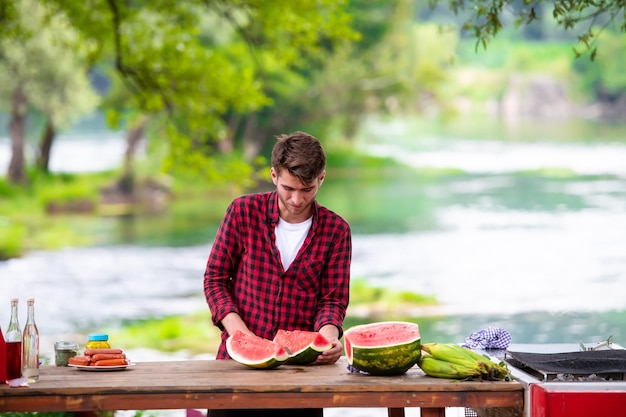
[
  {"x": 63, "y": 351},
  {"x": 98, "y": 341}
]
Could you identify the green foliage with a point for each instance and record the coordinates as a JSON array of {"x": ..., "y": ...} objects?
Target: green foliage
[
  {"x": 64, "y": 189},
  {"x": 604, "y": 78},
  {"x": 11, "y": 239},
  {"x": 193, "y": 333},
  {"x": 46, "y": 57},
  {"x": 485, "y": 19},
  {"x": 363, "y": 293},
  {"x": 188, "y": 65},
  {"x": 329, "y": 93},
  {"x": 343, "y": 157},
  {"x": 7, "y": 190},
  {"x": 552, "y": 173},
  {"x": 486, "y": 75},
  {"x": 26, "y": 223}
]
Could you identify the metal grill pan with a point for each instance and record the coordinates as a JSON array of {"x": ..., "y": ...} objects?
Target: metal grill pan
[{"x": 576, "y": 363}]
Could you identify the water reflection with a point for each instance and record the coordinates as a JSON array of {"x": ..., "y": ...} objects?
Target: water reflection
[{"x": 78, "y": 290}]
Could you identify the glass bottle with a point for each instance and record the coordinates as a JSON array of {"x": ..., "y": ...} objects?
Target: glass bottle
[
  {"x": 14, "y": 344},
  {"x": 3, "y": 358},
  {"x": 30, "y": 345}
]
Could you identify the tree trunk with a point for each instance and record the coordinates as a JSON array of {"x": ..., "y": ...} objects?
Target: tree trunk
[
  {"x": 45, "y": 146},
  {"x": 17, "y": 130},
  {"x": 227, "y": 144},
  {"x": 133, "y": 137},
  {"x": 254, "y": 137}
]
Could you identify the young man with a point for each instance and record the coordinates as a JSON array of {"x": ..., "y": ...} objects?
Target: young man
[{"x": 280, "y": 260}]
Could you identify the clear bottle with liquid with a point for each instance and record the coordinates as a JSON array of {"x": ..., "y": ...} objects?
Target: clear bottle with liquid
[
  {"x": 13, "y": 340},
  {"x": 30, "y": 345}
]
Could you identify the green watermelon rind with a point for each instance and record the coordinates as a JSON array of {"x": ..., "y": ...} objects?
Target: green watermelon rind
[
  {"x": 307, "y": 354},
  {"x": 392, "y": 359},
  {"x": 270, "y": 362},
  {"x": 388, "y": 360}
]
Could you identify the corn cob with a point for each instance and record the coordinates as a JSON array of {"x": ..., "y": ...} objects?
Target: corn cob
[
  {"x": 452, "y": 352},
  {"x": 443, "y": 369},
  {"x": 456, "y": 354}
]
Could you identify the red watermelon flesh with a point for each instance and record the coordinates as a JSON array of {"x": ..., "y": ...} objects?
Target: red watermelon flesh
[
  {"x": 383, "y": 333},
  {"x": 255, "y": 351},
  {"x": 305, "y": 346}
]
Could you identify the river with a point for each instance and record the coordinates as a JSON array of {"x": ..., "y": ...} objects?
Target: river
[{"x": 526, "y": 233}]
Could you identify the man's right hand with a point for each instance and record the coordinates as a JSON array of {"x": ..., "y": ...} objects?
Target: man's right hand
[{"x": 233, "y": 322}]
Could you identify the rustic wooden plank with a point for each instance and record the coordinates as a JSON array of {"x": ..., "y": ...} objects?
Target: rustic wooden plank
[
  {"x": 229, "y": 375},
  {"x": 227, "y": 384},
  {"x": 124, "y": 401},
  {"x": 433, "y": 412},
  {"x": 395, "y": 412}
]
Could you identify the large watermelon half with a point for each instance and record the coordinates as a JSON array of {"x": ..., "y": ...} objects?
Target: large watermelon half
[
  {"x": 383, "y": 348},
  {"x": 254, "y": 351},
  {"x": 305, "y": 346}
]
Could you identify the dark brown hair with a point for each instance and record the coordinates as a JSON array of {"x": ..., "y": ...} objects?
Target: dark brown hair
[{"x": 301, "y": 154}]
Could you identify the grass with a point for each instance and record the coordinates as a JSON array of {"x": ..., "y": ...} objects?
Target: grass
[
  {"x": 26, "y": 222},
  {"x": 192, "y": 333},
  {"x": 363, "y": 293}
]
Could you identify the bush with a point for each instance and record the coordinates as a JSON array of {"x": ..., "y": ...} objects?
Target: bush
[{"x": 11, "y": 239}]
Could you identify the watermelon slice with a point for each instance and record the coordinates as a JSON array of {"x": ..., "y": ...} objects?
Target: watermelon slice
[
  {"x": 304, "y": 346},
  {"x": 254, "y": 351},
  {"x": 383, "y": 348}
]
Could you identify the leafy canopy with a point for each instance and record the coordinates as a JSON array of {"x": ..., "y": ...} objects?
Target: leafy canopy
[{"x": 587, "y": 17}]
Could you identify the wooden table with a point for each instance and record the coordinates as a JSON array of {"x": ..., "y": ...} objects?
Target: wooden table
[{"x": 227, "y": 384}]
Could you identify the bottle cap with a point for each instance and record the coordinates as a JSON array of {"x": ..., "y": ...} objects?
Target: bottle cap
[{"x": 98, "y": 336}]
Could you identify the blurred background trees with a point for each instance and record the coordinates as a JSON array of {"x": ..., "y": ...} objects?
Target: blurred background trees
[{"x": 212, "y": 81}]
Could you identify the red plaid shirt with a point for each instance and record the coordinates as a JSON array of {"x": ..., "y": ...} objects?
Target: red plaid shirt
[{"x": 244, "y": 273}]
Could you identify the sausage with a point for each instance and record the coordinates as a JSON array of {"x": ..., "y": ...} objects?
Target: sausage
[
  {"x": 101, "y": 356},
  {"x": 109, "y": 362},
  {"x": 79, "y": 360},
  {"x": 89, "y": 352}
]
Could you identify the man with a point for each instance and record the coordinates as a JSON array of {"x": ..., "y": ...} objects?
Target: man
[{"x": 280, "y": 260}]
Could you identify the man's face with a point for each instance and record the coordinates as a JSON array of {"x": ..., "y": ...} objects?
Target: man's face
[{"x": 295, "y": 200}]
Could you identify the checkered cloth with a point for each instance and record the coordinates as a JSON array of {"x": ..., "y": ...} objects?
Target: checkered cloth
[
  {"x": 357, "y": 371},
  {"x": 489, "y": 338}
]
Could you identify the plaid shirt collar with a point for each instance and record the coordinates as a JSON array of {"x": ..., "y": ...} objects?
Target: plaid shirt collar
[{"x": 273, "y": 213}]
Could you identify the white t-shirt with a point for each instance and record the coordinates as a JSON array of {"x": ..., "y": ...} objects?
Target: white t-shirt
[{"x": 289, "y": 239}]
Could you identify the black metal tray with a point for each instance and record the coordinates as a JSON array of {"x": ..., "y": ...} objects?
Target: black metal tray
[{"x": 598, "y": 362}]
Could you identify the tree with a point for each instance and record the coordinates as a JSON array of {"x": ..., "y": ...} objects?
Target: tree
[
  {"x": 187, "y": 65},
  {"x": 383, "y": 71},
  {"x": 41, "y": 67},
  {"x": 587, "y": 17},
  {"x": 605, "y": 79}
]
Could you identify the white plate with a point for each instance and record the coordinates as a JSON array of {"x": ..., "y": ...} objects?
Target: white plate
[{"x": 100, "y": 368}]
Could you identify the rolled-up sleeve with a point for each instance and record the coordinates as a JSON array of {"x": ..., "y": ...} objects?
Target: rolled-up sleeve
[
  {"x": 220, "y": 268},
  {"x": 335, "y": 281}
]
